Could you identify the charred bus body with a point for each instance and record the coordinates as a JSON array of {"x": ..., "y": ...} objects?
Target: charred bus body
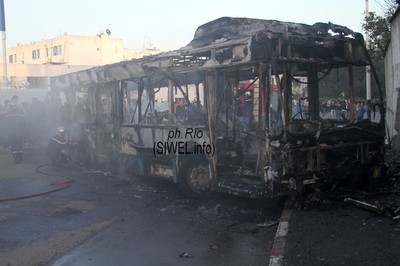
[{"x": 218, "y": 114}]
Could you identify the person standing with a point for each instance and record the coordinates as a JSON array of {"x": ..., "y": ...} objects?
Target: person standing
[
  {"x": 360, "y": 111},
  {"x": 16, "y": 130}
]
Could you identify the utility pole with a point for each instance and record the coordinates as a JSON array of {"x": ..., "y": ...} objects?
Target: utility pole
[
  {"x": 368, "y": 68},
  {"x": 3, "y": 37}
]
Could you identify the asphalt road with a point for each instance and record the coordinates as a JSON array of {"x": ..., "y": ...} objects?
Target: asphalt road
[
  {"x": 342, "y": 235},
  {"x": 103, "y": 220}
]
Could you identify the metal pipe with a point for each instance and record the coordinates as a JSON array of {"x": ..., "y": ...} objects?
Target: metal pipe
[
  {"x": 5, "y": 79},
  {"x": 3, "y": 37}
]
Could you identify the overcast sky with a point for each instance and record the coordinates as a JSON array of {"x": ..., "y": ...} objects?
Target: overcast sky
[{"x": 166, "y": 25}]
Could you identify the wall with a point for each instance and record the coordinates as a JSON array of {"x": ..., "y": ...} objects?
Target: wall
[{"x": 392, "y": 76}]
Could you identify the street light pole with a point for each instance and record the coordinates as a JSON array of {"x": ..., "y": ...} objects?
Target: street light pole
[
  {"x": 368, "y": 68},
  {"x": 3, "y": 37}
]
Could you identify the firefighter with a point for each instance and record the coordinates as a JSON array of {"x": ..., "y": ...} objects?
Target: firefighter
[
  {"x": 57, "y": 148},
  {"x": 16, "y": 129}
]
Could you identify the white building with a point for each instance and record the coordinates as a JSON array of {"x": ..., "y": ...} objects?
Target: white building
[
  {"x": 392, "y": 76},
  {"x": 30, "y": 65}
]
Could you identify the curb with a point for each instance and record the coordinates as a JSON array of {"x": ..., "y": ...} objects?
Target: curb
[{"x": 278, "y": 248}]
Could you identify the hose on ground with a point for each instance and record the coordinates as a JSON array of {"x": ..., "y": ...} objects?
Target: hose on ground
[{"x": 66, "y": 183}]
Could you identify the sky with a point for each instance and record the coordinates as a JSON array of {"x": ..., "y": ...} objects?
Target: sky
[{"x": 162, "y": 24}]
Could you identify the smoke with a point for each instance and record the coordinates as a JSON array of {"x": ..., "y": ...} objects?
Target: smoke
[{"x": 36, "y": 115}]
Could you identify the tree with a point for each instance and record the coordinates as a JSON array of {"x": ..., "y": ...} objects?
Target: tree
[{"x": 378, "y": 28}]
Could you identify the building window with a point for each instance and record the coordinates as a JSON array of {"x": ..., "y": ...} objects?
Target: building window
[
  {"x": 12, "y": 58},
  {"x": 36, "y": 54},
  {"x": 57, "y": 50},
  {"x": 47, "y": 52}
]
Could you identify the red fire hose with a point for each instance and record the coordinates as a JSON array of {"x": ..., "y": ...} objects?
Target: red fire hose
[{"x": 66, "y": 183}]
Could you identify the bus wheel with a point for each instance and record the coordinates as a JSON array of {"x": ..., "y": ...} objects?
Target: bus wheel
[{"x": 194, "y": 177}]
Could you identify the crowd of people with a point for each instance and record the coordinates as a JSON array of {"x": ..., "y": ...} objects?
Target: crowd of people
[{"x": 339, "y": 108}]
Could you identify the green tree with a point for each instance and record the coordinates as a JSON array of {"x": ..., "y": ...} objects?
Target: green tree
[{"x": 378, "y": 28}]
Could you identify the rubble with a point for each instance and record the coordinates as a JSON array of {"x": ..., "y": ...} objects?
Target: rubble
[
  {"x": 380, "y": 198},
  {"x": 377, "y": 208}
]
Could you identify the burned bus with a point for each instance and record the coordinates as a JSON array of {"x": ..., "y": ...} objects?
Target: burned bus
[{"x": 237, "y": 110}]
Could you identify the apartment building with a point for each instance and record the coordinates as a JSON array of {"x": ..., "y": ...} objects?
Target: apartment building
[{"x": 31, "y": 65}]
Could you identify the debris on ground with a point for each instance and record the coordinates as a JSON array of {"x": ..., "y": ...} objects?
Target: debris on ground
[
  {"x": 214, "y": 247},
  {"x": 378, "y": 208},
  {"x": 381, "y": 198},
  {"x": 186, "y": 255},
  {"x": 98, "y": 172},
  {"x": 392, "y": 162},
  {"x": 385, "y": 200},
  {"x": 268, "y": 224}
]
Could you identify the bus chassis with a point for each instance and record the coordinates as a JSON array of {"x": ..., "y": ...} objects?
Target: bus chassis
[{"x": 219, "y": 114}]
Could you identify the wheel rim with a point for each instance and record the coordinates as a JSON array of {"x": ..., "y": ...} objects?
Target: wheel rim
[{"x": 199, "y": 179}]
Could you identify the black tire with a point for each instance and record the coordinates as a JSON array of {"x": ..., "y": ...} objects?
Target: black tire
[{"x": 194, "y": 177}]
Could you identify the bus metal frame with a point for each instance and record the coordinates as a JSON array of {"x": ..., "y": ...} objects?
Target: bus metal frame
[{"x": 206, "y": 140}]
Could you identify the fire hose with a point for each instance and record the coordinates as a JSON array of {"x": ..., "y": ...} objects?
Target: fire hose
[{"x": 64, "y": 184}]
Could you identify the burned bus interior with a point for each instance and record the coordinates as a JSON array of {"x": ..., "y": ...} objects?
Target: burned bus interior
[{"x": 237, "y": 110}]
